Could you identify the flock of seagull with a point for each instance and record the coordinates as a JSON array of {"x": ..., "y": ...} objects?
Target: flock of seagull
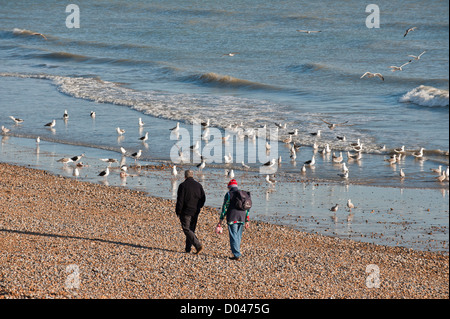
[{"x": 76, "y": 159}]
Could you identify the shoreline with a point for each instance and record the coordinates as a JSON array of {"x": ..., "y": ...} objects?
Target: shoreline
[
  {"x": 127, "y": 244},
  {"x": 384, "y": 215}
]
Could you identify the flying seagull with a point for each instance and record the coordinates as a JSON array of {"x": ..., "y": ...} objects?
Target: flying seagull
[
  {"x": 372, "y": 75},
  {"x": 332, "y": 126},
  {"x": 409, "y": 30},
  {"x": 416, "y": 57},
  {"x": 398, "y": 68}
]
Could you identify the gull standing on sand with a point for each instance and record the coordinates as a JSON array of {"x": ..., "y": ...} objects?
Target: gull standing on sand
[
  {"x": 176, "y": 128},
  {"x": 16, "y": 120},
  {"x": 400, "y": 150},
  {"x": 392, "y": 160},
  {"x": 65, "y": 115},
  {"x": 316, "y": 133},
  {"x": 271, "y": 163},
  {"x": 65, "y": 160},
  {"x": 141, "y": 124},
  {"x": 338, "y": 159},
  {"x": 93, "y": 114},
  {"x": 409, "y": 30},
  {"x": 372, "y": 75},
  {"x": 398, "y": 68},
  {"x": 437, "y": 170},
  {"x": 442, "y": 177},
  {"x": 77, "y": 158}
]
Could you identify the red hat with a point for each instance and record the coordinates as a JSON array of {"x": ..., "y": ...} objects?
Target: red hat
[{"x": 232, "y": 183}]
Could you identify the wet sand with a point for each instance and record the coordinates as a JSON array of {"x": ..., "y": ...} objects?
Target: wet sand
[{"x": 63, "y": 238}]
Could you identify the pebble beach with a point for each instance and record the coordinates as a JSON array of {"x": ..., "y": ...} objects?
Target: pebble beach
[{"x": 61, "y": 239}]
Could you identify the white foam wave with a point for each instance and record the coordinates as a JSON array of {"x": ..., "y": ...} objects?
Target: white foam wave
[{"x": 427, "y": 96}]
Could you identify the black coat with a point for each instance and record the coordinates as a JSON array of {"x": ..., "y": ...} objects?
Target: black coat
[{"x": 191, "y": 198}]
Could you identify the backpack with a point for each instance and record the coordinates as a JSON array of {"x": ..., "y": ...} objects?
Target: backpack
[{"x": 243, "y": 200}]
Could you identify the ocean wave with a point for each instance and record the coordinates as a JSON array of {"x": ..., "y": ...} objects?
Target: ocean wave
[
  {"x": 427, "y": 96},
  {"x": 226, "y": 81},
  {"x": 305, "y": 68},
  {"x": 223, "y": 111}
]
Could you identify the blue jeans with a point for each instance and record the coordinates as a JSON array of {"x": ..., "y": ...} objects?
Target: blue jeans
[{"x": 235, "y": 231}]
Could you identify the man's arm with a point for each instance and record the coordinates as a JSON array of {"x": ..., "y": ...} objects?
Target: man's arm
[
  {"x": 180, "y": 200},
  {"x": 226, "y": 204}
]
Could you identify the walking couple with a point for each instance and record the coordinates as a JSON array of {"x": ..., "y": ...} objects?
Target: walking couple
[{"x": 191, "y": 198}]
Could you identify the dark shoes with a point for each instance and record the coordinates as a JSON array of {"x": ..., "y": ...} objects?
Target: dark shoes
[
  {"x": 234, "y": 258},
  {"x": 199, "y": 250}
]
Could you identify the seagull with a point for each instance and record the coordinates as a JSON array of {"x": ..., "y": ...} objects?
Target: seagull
[
  {"x": 400, "y": 150},
  {"x": 327, "y": 148},
  {"x": 409, "y": 30},
  {"x": 334, "y": 208},
  {"x": 120, "y": 131},
  {"x": 398, "y": 68},
  {"x": 104, "y": 173},
  {"x": 303, "y": 169},
  {"x": 5, "y": 130},
  {"x": 358, "y": 148},
  {"x": 230, "y": 54},
  {"x": 268, "y": 147},
  {"x": 437, "y": 170},
  {"x": 341, "y": 138},
  {"x": 141, "y": 124},
  {"x": 16, "y": 120},
  {"x": 402, "y": 174},
  {"x": 332, "y": 126},
  {"x": 39, "y": 34},
  {"x": 344, "y": 175},
  {"x": 144, "y": 138},
  {"x": 206, "y": 124},
  {"x": 358, "y": 143},
  {"x": 344, "y": 168},
  {"x": 51, "y": 124},
  {"x": 77, "y": 158},
  {"x": 308, "y": 31},
  {"x": 123, "y": 151},
  {"x": 392, "y": 160},
  {"x": 195, "y": 146},
  {"x": 245, "y": 166},
  {"x": 288, "y": 140},
  {"x": 311, "y": 162},
  {"x": 228, "y": 158},
  {"x": 66, "y": 115},
  {"x": 281, "y": 126},
  {"x": 271, "y": 163},
  {"x": 316, "y": 133},
  {"x": 416, "y": 57},
  {"x": 123, "y": 172},
  {"x": 350, "y": 205},
  {"x": 230, "y": 174},
  {"x": 442, "y": 177},
  {"x": 372, "y": 75},
  {"x": 93, "y": 114},
  {"x": 294, "y": 133},
  {"x": 337, "y": 159},
  {"x": 176, "y": 128},
  {"x": 65, "y": 160},
  {"x": 174, "y": 171},
  {"x": 202, "y": 165},
  {"x": 137, "y": 155},
  {"x": 418, "y": 154},
  {"x": 270, "y": 180},
  {"x": 38, "y": 140},
  {"x": 109, "y": 160}
]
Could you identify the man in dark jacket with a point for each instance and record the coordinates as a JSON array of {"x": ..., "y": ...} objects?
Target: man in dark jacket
[{"x": 190, "y": 200}]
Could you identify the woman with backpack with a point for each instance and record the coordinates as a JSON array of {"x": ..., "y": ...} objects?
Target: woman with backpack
[{"x": 236, "y": 207}]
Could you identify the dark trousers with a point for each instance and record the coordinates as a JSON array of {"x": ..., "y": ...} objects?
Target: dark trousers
[{"x": 189, "y": 223}]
